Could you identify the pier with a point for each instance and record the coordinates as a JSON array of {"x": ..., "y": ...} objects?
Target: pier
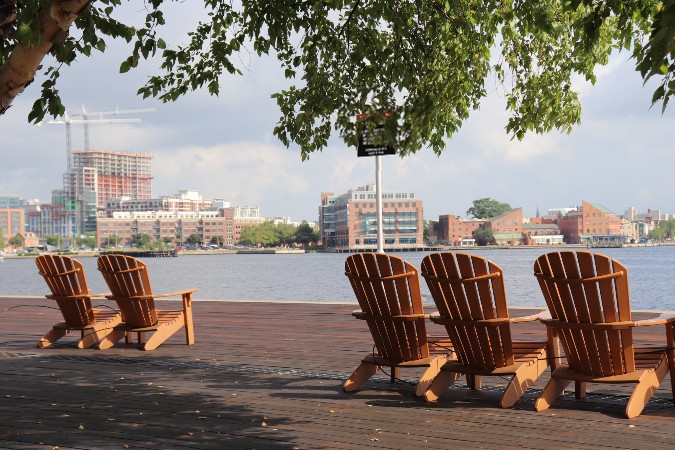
[
  {"x": 143, "y": 253},
  {"x": 268, "y": 375}
]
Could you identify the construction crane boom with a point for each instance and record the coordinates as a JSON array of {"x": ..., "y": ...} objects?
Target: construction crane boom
[{"x": 68, "y": 120}]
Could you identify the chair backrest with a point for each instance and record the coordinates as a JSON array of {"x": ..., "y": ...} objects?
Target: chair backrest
[
  {"x": 68, "y": 286},
  {"x": 127, "y": 278},
  {"x": 585, "y": 292},
  {"x": 387, "y": 286},
  {"x": 471, "y": 299}
]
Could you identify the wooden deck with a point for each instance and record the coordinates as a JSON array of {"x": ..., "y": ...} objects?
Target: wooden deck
[{"x": 268, "y": 375}]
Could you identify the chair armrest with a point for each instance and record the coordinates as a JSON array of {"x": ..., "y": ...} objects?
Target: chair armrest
[
  {"x": 175, "y": 294},
  {"x": 532, "y": 317},
  {"x": 663, "y": 318}
]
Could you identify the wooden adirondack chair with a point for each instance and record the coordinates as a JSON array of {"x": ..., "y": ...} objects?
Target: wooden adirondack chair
[
  {"x": 129, "y": 283},
  {"x": 388, "y": 291},
  {"x": 68, "y": 286},
  {"x": 589, "y": 302},
  {"x": 471, "y": 300}
]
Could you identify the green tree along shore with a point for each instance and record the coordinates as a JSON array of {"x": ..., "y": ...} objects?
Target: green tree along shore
[
  {"x": 665, "y": 230},
  {"x": 269, "y": 234},
  {"x": 418, "y": 69},
  {"x": 266, "y": 234},
  {"x": 487, "y": 208}
]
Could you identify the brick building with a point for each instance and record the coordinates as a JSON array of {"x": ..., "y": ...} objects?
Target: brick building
[
  {"x": 349, "y": 220},
  {"x": 451, "y": 230},
  {"x": 507, "y": 228},
  {"x": 11, "y": 222},
  {"x": 593, "y": 223},
  {"x": 175, "y": 227}
]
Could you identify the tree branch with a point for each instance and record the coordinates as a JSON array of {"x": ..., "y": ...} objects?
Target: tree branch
[{"x": 25, "y": 59}]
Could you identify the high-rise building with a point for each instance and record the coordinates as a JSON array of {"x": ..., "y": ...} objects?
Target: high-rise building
[
  {"x": 95, "y": 176},
  {"x": 350, "y": 220}
]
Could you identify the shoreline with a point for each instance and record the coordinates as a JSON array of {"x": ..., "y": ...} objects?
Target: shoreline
[{"x": 289, "y": 251}]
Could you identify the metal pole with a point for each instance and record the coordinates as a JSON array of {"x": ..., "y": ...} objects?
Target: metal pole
[{"x": 378, "y": 196}]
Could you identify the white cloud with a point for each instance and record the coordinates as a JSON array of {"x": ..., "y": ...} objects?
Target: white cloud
[{"x": 621, "y": 155}]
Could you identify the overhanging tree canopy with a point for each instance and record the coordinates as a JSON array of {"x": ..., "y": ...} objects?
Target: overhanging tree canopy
[{"x": 417, "y": 67}]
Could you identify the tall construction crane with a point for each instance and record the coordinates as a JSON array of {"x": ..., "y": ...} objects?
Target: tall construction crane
[{"x": 68, "y": 119}]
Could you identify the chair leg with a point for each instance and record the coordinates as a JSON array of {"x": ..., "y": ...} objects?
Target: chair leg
[
  {"x": 554, "y": 388},
  {"x": 429, "y": 375},
  {"x": 646, "y": 387},
  {"x": 474, "y": 382},
  {"x": 442, "y": 382},
  {"x": 54, "y": 335},
  {"x": 91, "y": 336},
  {"x": 579, "y": 389},
  {"x": 395, "y": 374},
  {"x": 187, "y": 316},
  {"x": 360, "y": 376},
  {"x": 670, "y": 339},
  {"x": 521, "y": 381},
  {"x": 163, "y": 333},
  {"x": 111, "y": 339}
]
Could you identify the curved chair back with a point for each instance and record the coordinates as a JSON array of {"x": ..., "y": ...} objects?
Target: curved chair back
[
  {"x": 469, "y": 293},
  {"x": 387, "y": 286},
  {"x": 127, "y": 278},
  {"x": 588, "y": 297},
  {"x": 68, "y": 285}
]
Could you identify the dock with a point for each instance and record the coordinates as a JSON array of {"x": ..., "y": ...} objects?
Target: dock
[{"x": 267, "y": 375}]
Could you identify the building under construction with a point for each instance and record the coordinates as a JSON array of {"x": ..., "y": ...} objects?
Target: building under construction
[{"x": 95, "y": 177}]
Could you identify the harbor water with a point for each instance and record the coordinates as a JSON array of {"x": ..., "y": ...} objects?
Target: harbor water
[{"x": 319, "y": 277}]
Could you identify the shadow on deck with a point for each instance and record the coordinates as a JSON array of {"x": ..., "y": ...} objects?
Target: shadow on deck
[{"x": 268, "y": 375}]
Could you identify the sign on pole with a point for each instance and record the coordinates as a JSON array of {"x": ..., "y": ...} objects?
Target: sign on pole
[
  {"x": 367, "y": 147},
  {"x": 367, "y": 139}
]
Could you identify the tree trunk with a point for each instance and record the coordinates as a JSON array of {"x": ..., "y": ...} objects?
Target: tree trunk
[{"x": 19, "y": 70}]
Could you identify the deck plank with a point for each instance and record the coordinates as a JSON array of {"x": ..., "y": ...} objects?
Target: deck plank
[{"x": 268, "y": 375}]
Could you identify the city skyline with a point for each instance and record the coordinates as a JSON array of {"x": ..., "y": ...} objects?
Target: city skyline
[{"x": 620, "y": 156}]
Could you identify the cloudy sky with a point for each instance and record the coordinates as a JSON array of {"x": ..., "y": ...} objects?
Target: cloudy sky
[{"x": 622, "y": 155}]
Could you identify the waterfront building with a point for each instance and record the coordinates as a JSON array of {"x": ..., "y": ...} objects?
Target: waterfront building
[
  {"x": 644, "y": 223},
  {"x": 184, "y": 201},
  {"x": 451, "y": 230},
  {"x": 225, "y": 224},
  {"x": 593, "y": 224},
  {"x": 11, "y": 222},
  {"x": 507, "y": 228},
  {"x": 54, "y": 219},
  {"x": 94, "y": 177},
  {"x": 349, "y": 220},
  {"x": 542, "y": 234},
  {"x": 171, "y": 227},
  {"x": 10, "y": 202}
]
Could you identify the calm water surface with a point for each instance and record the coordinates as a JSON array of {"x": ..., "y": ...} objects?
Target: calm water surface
[{"x": 319, "y": 277}]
